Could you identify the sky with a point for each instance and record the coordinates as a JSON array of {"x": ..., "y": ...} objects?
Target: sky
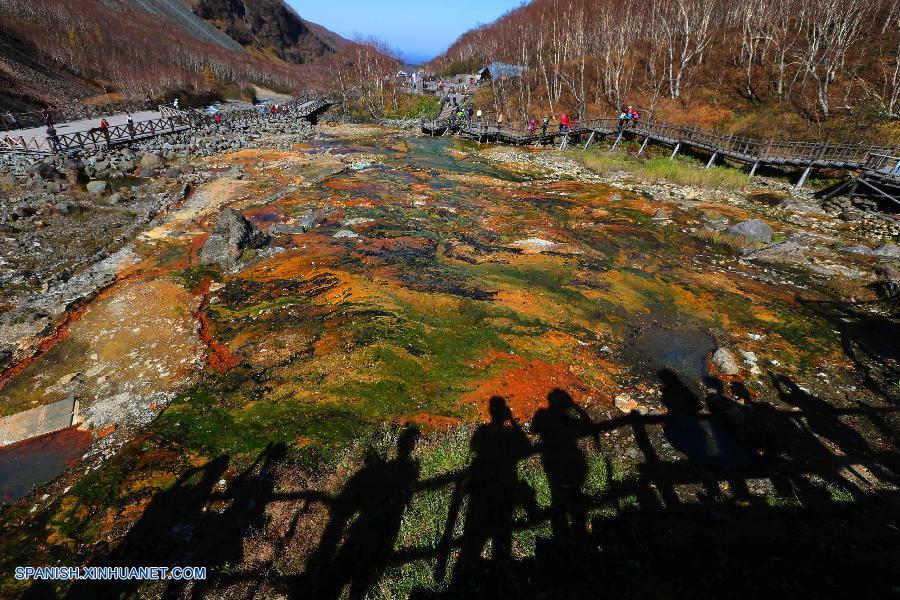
[{"x": 418, "y": 29}]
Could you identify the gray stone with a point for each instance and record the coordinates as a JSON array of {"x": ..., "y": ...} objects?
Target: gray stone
[
  {"x": 151, "y": 160},
  {"x": 149, "y": 173},
  {"x": 285, "y": 229},
  {"x": 753, "y": 229},
  {"x": 173, "y": 172},
  {"x": 311, "y": 218},
  {"x": 661, "y": 215},
  {"x": 889, "y": 250},
  {"x": 97, "y": 188},
  {"x": 725, "y": 361},
  {"x": 63, "y": 208},
  {"x": 346, "y": 233},
  {"x": 232, "y": 235},
  {"x": 44, "y": 170},
  {"x": 857, "y": 249}
]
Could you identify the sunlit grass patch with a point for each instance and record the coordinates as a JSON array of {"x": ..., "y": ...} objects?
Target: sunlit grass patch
[{"x": 681, "y": 171}]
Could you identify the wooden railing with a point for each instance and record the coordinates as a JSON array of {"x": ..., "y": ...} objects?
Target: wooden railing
[
  {"x": 746, "y": 149},
  {"x": 171, "y": 120}
]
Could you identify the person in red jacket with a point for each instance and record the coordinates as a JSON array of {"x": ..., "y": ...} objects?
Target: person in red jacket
[{"x": 563, "y": 123}]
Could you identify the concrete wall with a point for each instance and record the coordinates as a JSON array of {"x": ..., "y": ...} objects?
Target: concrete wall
[{"x": 38, "y": 421}]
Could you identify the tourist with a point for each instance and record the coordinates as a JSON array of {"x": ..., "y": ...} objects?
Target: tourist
[
  {"x": 53, "y": 138},
  {"x": 275, "y": 109},
  {"x": 13, "y": 121},
  {"x": 284, "y": 107},
  {"x": 104, "y": 129},
  {"x": 148, "y": 102},
  {"x": 563, "y": 123},
  {"x": 175, "y": 103},
  {"x": 545, "y": 124},
  {"x": 635, "y": 118},
  {"x": 469, "y": 112},
  {"x": 499, "y": 121},
  {"x": 217, "y": 118},
  {"x": 48, "y": 117},
  {"x": 478, "y": 116},
  {"x": 130, "y": 121},
  {"x": 532, "y": 124},
  {"x": 622, "y": 118}
]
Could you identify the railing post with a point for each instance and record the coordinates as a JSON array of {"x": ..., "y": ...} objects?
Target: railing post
[
  {"x": 644, "y": 145},
  {"x": 675, "y": 151}
]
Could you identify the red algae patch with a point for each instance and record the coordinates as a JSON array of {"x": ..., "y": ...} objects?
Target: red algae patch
[{"x": 525, "y": 386}]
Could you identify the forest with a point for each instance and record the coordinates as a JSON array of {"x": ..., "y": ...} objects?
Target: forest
[{"x": 765, "y": 67}]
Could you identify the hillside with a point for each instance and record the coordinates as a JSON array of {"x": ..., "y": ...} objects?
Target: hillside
[
  {"x": 135, "y": 48},
  {"x": 269, "y": 26},
  {"x": 772, "y": 68}
]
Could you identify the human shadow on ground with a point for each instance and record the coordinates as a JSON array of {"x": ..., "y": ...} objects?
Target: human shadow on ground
[
  {"x": 685, "y": 519},
  {"x": 364, "y": 522}
]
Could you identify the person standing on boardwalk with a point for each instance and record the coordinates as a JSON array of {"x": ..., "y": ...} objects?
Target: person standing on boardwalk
[
  {"x": 499, "y": 121},
  {"x": 478, "y": 116},
  {"x": 545, "y": 124},
  {"x": 622, "y": 117},
  {"x": 104, "y": 129},
  {"x": 48, "y": 117},
  {"x": 531, "y": 126},
  {"x": 175, "y": 104},
  {"x": 53, "y": 138},
  {"x": 563, "y": 123},
  {"x": 130, "y": 125}
]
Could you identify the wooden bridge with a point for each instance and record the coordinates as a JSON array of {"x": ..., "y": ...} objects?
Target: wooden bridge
[
  {"x": 750, "y": 151},
  {"x": 171, "y": 121}
]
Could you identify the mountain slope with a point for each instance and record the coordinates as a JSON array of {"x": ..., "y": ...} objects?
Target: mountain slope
[
  {"x": 269, "y": 26},
  {"x": 155, "y": 47}
]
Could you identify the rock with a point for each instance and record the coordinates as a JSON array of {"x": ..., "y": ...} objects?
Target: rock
[
  {"x": 63, "y": 208},
  {"x": 889, "y": 250},
  {"x": 857, "y": 249},
  {"x": 115, "y": 199},
  {"x": 753, "y": 229},
  {"x": 44, "y": 170},
  {"x": 788, "y": 248},
  {"x": 625, "y": 403},
  {"x": 726, "y": 362},
  {"x": 359, "y": 166},
  {"x": 661, "y": 215},
  {"x": 97, "y": 188},
  {"x": 887, "y": 272},
  {"x": 534, "y": 245},
  {"x": 149, "y": 172},
  {"x": 311, "y": 219},
  {"x": 285, "y": 229},
  {"x": 346, "y": 233},
  {"x": 151, "y": 160},
  {"x": 232, "y": 235},
  {"x": 173, "y": 172}
]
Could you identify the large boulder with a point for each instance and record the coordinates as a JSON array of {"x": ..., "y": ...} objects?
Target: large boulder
[
  {"x": 97, "y": 188},
  {"x": 151, "y": 160},
  {"x": 754, "y": 229},
  {"x": 233, "y": 234},
  {"x": 45, "y": 170},
  {"x": 889, "y": 250},
  {"x": 725, "y": 361}
]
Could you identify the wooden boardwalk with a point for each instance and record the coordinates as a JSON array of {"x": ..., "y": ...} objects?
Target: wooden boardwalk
[
  {"x": 171, "y": 121},
  {"x": 749, "y": 151}
]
